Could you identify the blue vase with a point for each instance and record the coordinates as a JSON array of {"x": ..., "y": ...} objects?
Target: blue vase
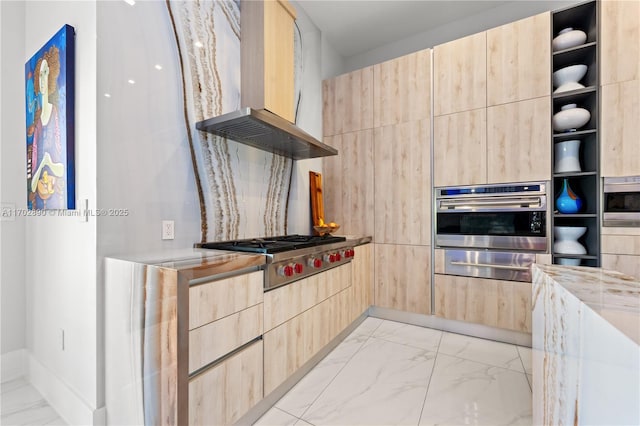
[{"x": 568, "y": 202}]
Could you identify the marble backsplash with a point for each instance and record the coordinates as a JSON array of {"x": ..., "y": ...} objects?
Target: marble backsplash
[{"x": 243, "y": 191}]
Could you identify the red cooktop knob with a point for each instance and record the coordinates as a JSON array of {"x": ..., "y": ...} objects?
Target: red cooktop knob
[
  {"x": 317, "y": 263},
  {"x": 298, "y": 268},
  {"x": 338, "y": 257},
  {"x": 288, "y": 271},
  {"x": 332, "y": 257},
  {"x": 351, "y": 253}
]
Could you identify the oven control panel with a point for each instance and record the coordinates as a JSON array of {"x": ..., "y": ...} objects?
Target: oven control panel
[{"x": 288, "y": 270}]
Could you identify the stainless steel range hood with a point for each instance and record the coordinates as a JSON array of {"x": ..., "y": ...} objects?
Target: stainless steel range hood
[{"x": 264, "y": 130}]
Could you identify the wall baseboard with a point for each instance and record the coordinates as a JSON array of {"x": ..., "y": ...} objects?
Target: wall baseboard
[
  {"x": 14, "y": 365},
  {"x": 68, "y": 404}
]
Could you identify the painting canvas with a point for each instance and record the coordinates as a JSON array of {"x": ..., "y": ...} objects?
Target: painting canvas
[{"x": 49, "y": 92}]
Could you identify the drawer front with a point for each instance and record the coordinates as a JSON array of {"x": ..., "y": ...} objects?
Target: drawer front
[
  {"x": 223, "y": 394},
  {"x": 218, "y": 338},
  {"x": 217, "y": 299}
]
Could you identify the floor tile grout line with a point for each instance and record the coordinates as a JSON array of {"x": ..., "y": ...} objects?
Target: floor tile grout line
[
  {"x": 403, "y": 344},
  {"x": 521, "y": 360},
  {"x": 334, "y": 377},
  {"x": 424, "y": 402},
  {"x": 483, "y": 363}
]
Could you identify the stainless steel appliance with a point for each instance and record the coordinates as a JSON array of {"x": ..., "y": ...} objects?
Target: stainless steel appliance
[
  {"x": 621, "y": 201},
  {"x": 292, "y": 257},
  {"x": 492, "y": 231}
]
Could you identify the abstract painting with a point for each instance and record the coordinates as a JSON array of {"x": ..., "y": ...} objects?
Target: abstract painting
[{"x": 49, "y": 95}]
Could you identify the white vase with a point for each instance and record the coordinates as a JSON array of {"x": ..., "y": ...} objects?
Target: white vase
[
  {"x": 567, "y": 156},
  {"x": 570, "y": 118},
  {"x": 568, "y": 78},
  {"x": 568, "y": 262},
  {"x": 567, "y": 239},
  {"x": 568, "y": 38}
]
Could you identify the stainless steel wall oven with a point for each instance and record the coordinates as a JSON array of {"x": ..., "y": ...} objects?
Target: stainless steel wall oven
[
  {"x": 622, "y": 201},
  {"x": 492, "y": 231}
]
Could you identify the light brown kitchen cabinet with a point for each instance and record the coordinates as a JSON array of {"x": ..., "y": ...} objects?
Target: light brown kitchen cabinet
[
  {"x": 621, "y": 252},
  {"x": 620, "y": 124},
  {"x": 518, "y": 141},
  {"x": 348, "y": 177},
  {"x": 267, "y": 56},
  {"x": 402, "y": 277},
  {"x": 460, "y": 148},
  {"x": 619, "y": 41},
  {"x": 348, "y": 103},
  {"x": 291, "y": 344},
  {"x": 402, "y": 183},
  {"x": 496, "y": 303},
  {"x": 218, "y": 338},
  {"x": 460, "y": 75},
  {"x": 402, "y": 89},
  {"x": 518, "y": 60},
  {"x": 283, "y": 303},
  {"x": 362, "y": 279},
  {"x": 222, "y": 394}
]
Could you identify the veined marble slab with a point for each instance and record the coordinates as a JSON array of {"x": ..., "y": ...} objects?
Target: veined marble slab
[
  {"x": 613, "y": 295},
  {"x": 586, "y": 356}
]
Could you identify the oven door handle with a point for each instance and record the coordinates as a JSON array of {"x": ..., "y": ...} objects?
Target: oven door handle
[
  {"x": 469, "y": 204},
  {"x": 491, "y": 265}
]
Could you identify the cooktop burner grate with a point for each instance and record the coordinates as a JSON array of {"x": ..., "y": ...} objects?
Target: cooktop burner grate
[{"x": 274, "y": 244}]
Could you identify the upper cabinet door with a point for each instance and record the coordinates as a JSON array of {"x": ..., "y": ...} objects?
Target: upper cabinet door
[
  {"x": 620, "y": 41},
  {"x": 348, "y": 102},
  {"x": 402, "y": 89},
  {"x": 460, "y": 75},
  {"x": 460, "y": 148},
  {"x": 518, "y": 141},
  {"x": 518, "y": 60},
  {"x": 620, "y": 123}
]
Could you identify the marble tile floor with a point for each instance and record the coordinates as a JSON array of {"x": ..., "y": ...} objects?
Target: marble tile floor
[
  {"x": 22, "y": 404},
  {"x": 390, "y": 373}
]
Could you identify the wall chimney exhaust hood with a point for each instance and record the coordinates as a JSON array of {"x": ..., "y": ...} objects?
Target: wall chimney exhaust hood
[
  {"x": 267, "y": 86},
  {"x": 264, "y": 130}
]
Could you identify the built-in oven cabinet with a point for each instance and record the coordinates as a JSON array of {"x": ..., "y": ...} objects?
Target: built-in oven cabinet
[
  {"x": 225, "y": 392},
  {"x": 291, "y": 344},
  {"x": 495, "y": 303}
]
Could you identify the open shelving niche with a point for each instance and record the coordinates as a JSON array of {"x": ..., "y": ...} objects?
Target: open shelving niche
[{"x": 586, "y": 183}]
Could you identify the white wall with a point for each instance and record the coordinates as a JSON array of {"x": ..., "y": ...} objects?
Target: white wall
[
  {"x": 12, "y": 187},
  {"x": 491, "y": 18},
  {"x": 61, "y": 251}
]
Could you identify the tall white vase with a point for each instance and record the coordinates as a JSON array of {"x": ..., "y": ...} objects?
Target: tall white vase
[
  {"x": 567, "y": 156},
  {"x": 567, "y": 239}
]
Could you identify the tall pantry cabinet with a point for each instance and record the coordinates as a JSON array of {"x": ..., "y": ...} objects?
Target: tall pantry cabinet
[
  {"x": 391, "y": 199},
  {"x": 620, "y": 120},
  {"x": 492, "y": 105},
  {"x": 620, "y": 80}
]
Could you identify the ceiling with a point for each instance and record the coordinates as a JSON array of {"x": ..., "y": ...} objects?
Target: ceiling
[{"x": 356, "y": 26}]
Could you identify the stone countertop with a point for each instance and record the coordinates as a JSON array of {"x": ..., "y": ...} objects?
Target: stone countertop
[
  {"x": 357, "y": 240},
  {"x": 201, "y": 262},
  {"x": 612, "y": 295}
]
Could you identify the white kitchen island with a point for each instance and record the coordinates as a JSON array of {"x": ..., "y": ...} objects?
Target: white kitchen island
[{"x": 586, "y": 353}]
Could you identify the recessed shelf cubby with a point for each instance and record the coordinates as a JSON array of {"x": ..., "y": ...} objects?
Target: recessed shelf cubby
[{"x": 585, "y": 181}]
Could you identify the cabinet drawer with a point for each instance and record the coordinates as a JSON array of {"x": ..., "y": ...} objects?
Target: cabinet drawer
[
  {"x": 223, "y": 394},
  {"x": 217, "y": 299},
  {"x": 496, "y": 303},
  {"x": 218, "y": 338}
]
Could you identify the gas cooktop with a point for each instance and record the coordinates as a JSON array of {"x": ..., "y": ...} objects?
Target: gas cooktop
[
  {"x": 269, "y": 245},
  {"x": 292, "y": 257}
]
